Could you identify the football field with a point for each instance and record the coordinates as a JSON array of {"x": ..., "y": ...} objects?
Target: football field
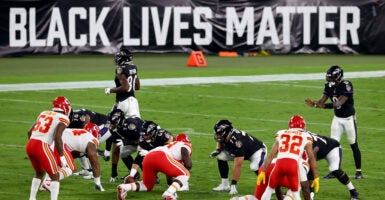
[{"x": 259, "y": 107}]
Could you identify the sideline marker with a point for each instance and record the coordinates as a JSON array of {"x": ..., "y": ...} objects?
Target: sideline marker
[{"x": 196, "y": 59}]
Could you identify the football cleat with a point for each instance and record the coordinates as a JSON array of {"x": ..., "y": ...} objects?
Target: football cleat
[
  {"x": 169, "y": 196},
  {"x": 222, "y": 187},
  {"x": 113, "y": 179},
  {"x": 358, "y": 175},
  {"x": 45, "y": 185},
  {"x": 329, "y": 176},
  {"x": 83, "y": 172},
  {"x": 122, "y": 193},
  {"x": 354, "y": 194}
]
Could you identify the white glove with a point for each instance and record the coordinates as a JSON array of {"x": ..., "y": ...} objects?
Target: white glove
[
  {"x": 107, "y": 91},
  {"x": 233, "y": 190},
  {"x": 107, "y": 153},
  {"x": 63, "y": 162},
  {"x": 143, "y": 152},
  {"x": 119, "y": 142}
]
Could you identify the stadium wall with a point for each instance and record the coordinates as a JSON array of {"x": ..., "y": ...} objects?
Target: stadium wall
[{"x": 281, "y": 27}]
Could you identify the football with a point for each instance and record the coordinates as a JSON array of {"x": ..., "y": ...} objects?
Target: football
[{"x": 129, "y": 179}]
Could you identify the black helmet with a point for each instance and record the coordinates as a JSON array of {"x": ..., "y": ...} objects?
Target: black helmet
[
  {"x": 116, "y": 118},
  {"x": 122, "y": 56},
  {"x": 222, "y": 129},
  {"x": 334, "y": 75},
  {"x": 149, "y": 130}
]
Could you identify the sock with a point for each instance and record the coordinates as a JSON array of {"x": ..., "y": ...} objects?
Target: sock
[
  {"x": 114, "y": 170},
  {"x": 34, "y": 188},
  {"x": 223, "y": 167},
  {"x": 84, "y": 163},
  {"x": 128, "y": 161},
  {"x": 356, "y": 155},
  {"x": 174, "y": 187},
  {"x": 54, "y": 189},
  {"x": 64, "y": 173},
  {"x": 133, "y": 172},
  {"x": 350, "y": 186},
  {"x": 225, "y": 181}
]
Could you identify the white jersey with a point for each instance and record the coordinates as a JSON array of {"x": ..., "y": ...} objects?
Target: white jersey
[
  {"x": 46, "y": 124},
  {"x": 78, "y": 139},
  {"x": 174, "y": 149},
  {"x": 292, "y": 143}
]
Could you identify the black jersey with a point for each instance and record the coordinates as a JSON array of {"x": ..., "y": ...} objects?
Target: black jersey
[
  {"x": 344, "y": 88},
  {"x": 130, "y": 130},
  {"x": 324, "y": 144},
  {"x": 78, "y": 117},
  {"x": 242, "y": 144},
  {"x": 131, "y": 73},
  {"x": 161, "y": 138}
]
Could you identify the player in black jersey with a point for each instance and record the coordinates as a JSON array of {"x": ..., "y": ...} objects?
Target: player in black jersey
[
  {"x": 237, "y": 145},
  {"x": 125, "y": 135},
  {"x": 330, "y": 149},
  {"x": 340, "y": 92},
  {"x": 151, "y": 136},
  {"x": 127, "y": 82}
]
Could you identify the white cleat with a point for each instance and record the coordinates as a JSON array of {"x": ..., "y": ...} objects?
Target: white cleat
[
  {"x": 45, "y": 185},
  {"x": 122, "y": 193},
  {"x": 83, "y": 172},
  {"x": 222, "y": 187},
  {"x": 169, "y": 196}
]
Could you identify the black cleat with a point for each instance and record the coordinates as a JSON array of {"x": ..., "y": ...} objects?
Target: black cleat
[
  {"x": 354, "y": 194},
  {"x": 329, "y": 176},
  {"x": 358, "y": 175}
]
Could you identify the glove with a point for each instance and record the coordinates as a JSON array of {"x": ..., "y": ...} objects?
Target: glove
[
  {"x": 107, "y": 91},
  {"x": 143, "y": 152},
  {"x": 310, "y": 103},
  {"x": 99, "y": 187},
  {"x": 63, "y": 162},
  {"x": 261, "y": 178},
  {"x": 233, "y": 190},
  {"x": 215, "y": 153},
  {"x": 106, "y": 156},
  {"x": 119, "y": 142},
  {"x": 315, "y": 185}
]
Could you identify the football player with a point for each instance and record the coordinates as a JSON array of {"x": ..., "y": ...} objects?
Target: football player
[
  {"x": 289, "y": 147},
  {"x": 236, "y": 145},
  {"x": 125, "y": 136},
  {"x": 127, "y": 82},
  {"x": 151, "y": 136},
  {"x": 46, "y": 131},
  {"x": 174, "y": 160},
  {"x": 330, "y": 150},
  {"x": 340, "y": 92}
]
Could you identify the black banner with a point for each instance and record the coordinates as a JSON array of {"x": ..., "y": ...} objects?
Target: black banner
[{"x": 102, "y": 26}]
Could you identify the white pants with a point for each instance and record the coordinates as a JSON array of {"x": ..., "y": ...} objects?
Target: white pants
[
  {"x": 348, "y": 124},
  {"x": 255, "y": 159},
  {"x": 130, "y": 107}
]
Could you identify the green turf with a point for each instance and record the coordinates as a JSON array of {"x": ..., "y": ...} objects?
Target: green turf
[{"x": 259, "y": 108}]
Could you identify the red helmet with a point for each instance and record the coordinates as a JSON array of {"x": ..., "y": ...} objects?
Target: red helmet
[
  {"x": 61, "y": 104},
  {"x": 182, "y": 137},
  {"x": 92, "y": 128},
  {"x": 297, "y": 121}
]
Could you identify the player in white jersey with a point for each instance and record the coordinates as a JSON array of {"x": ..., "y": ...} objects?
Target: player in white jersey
[
  {"x": 174, "y": 160},
  {"x": 48, "y": 130},
  {"x": 289, "y": 147},
  {"x": 85, "y": 142}
]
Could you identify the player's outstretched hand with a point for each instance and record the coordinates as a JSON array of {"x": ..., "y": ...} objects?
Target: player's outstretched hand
[
  {"x": 310, "y": 102},
  {"x": 215, "y": 153}
]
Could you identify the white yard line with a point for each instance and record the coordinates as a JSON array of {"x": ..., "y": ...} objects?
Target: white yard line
[{"x": 185, "y": 81}]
